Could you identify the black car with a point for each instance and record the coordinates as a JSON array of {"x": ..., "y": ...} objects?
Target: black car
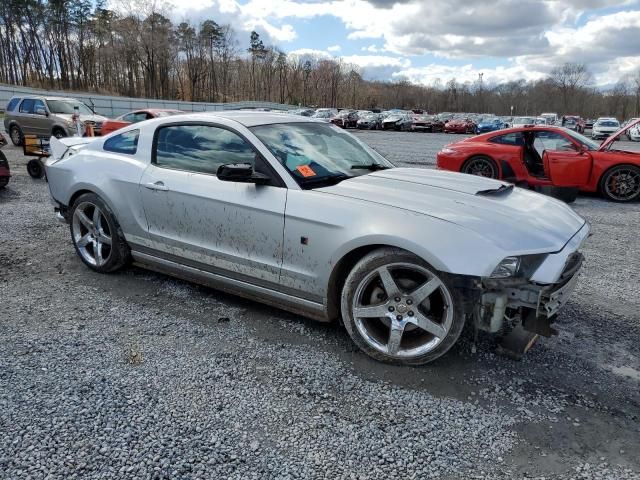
[
  {"x": 346, "y": 119},
  {"x": 371, "y": 121},
  {"x": 400, "y": 122},
  {"x": 427, "y": 123}
]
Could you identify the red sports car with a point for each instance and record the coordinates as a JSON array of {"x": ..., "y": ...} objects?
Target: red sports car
[
  {"x": 134, "y": 117},
  {"x": 547, "y": 158},
  {"x": 460, "y": 125}
]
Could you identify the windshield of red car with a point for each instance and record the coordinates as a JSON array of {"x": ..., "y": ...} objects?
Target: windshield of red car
[{"x": 581, "y": 139}]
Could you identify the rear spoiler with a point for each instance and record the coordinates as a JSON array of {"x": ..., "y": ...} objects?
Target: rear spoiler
[{"x": 59, "y": 146}]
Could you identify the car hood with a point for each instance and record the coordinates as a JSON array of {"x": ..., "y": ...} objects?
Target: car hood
[
  {"x": 516, "y": 220},
  {"x": 605, "y": 145},
  {"x": 83, "y": 117}
]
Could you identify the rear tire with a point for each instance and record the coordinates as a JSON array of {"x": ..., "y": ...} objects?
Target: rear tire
[
  {"x": 96, "y": 234},
  {"x": 621, "y": 183},
  {"x": 482, "y": 166},
  {"x": 16, "y": 135},
  {"x": 58, "y": 132},
  {"x": 4, "y": 181},
  {"x": 398, "y": 309}
]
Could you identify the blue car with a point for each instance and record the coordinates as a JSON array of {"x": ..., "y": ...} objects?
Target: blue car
[{"x": 490, "y": 125}]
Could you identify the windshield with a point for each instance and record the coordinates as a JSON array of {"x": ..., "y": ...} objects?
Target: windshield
[
  {"x": 394, "y": 117},
  {"x": 608, "y": 123},
  {"x": 317, "y": 153},
  {"x": 321, "y": 115},
  {"x": 524, "y": 120},
  {"x": 68, "y": 107},
  {"x": 587, "y": 142}
]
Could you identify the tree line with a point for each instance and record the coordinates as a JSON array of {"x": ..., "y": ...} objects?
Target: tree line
[{"x": 136, "y": 50}]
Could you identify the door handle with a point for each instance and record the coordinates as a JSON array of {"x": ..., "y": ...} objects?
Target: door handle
[{"x": 159, "y": 185}]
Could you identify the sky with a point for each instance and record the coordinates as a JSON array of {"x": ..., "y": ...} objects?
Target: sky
[{"x": 429, "y": 41}]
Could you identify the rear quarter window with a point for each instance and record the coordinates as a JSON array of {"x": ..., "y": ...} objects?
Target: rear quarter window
[
  {"x": 126, "y": 143},
  {"x": 11, "y": 106},
  {"x": 515, "y": 139}
]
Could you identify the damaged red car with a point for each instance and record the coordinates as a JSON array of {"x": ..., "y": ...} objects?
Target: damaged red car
[
  {"x": 546, "y": 157},
  {"x": 460, "y": 125}
]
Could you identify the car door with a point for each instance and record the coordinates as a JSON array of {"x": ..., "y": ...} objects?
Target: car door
[
  {"x": 40, "y": 119},
  {"x": 566, "y": 164},
  {"x": 25, "y": 117},
  {"x": 230, "y": 228}
]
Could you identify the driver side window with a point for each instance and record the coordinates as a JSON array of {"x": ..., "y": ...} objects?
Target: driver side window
[
  {"x": 200, "y": 148},
  {"x": 552, "y": 141}
]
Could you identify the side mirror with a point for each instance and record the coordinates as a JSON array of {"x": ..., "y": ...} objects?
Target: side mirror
[
  {"x": 41, "y": 111},
  {"x": 241, "y": 173}
]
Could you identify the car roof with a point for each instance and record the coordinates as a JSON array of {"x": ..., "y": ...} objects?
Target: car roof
[
  {"x": 248, "y": 118},
  {"x": 45, "y": 97}
]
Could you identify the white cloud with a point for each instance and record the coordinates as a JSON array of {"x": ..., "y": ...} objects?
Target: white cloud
[
  {"x": 431, "y": 74},
  {"x": 311, "y": 53},
  {"x": 529, "y": 36},
  {"x": 372, "y": 48}
]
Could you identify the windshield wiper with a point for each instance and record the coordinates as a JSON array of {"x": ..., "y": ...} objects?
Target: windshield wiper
[
  {"x": 371, "y": 166},
  {"x": 323, "y": 181}
]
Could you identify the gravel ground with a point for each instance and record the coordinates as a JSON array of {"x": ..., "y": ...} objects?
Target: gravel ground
[{"x": 137, "y": 375}]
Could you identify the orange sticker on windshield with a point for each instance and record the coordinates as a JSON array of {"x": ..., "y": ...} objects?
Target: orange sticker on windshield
[{"x": 306, "y": 171}]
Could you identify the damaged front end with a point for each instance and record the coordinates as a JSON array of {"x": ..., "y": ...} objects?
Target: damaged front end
[{"x": 513, "y": 305}]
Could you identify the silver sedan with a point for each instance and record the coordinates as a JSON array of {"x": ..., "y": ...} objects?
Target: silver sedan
[{"x": 300, "y": 214}]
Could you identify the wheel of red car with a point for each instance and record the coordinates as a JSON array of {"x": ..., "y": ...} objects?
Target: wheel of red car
[
  {"x": 481, "y": 166},
  {"x": 621, "y": 183}
]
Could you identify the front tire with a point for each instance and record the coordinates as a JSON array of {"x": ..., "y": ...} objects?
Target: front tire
[
  {"x": 481, "y": 166},
  {"x": 96, "y": 235},
  {"x": 398, "y": 309},
  {"x": 621, "y": 183}
]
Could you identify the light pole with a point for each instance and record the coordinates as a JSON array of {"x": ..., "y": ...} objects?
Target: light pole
[{"x": 480, "y": 75}]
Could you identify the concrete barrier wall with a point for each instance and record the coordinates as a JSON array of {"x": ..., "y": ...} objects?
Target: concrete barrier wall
[{"x": 110, "y": 106}]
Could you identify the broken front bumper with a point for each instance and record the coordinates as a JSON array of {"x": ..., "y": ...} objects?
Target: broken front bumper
[{"x": 533, "y": 303}]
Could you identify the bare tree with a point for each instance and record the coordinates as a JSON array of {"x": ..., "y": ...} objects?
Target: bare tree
[{"x": 569, "y": 79}]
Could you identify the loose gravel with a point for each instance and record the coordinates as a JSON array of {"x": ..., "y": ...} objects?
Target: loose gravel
[{"x": 137, "y": 375}]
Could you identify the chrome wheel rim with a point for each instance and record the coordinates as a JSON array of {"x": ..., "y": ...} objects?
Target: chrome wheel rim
[
  {"x": 402, "y": 310},
  {"x": 481, "y": 167},
  {"x": 623, "y": 184},
  {"x": 91, "y": 234},
  {"x": 15, "y": 135}
]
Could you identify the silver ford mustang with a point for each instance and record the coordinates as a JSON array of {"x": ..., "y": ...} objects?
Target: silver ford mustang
[{"x": 299, "y": 214}]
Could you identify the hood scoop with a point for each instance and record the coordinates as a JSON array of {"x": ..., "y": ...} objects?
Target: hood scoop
[{"x": 501, "y": 190}]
